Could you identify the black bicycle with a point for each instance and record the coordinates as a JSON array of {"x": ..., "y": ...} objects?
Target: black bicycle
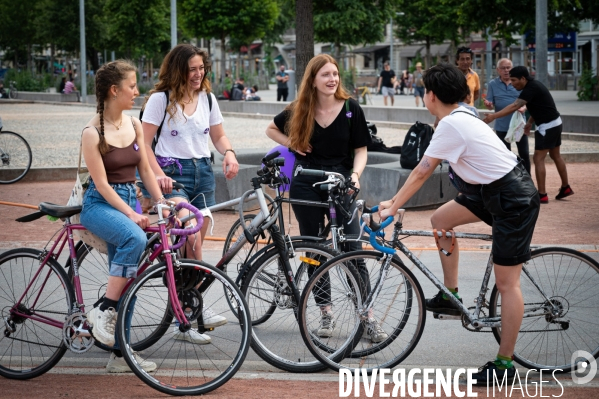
[{"x": 15, "y": 156}]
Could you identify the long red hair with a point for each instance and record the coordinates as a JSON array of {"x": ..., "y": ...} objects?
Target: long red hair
[{"x": 300, "y": 126}]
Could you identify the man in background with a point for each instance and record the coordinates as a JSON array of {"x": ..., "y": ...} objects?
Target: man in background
[
  {"x": 386, "y": 83},
  {"x": 500, "y": 94},
  {"x": 282, "y": 88},
  {"x": 464, "y": 62},
  {"x": 548, "y": 136}
]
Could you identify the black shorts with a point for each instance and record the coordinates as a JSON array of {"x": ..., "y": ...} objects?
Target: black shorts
[
  {"x": 510, "y": 206},
  {"x": 552, "y": 138}
]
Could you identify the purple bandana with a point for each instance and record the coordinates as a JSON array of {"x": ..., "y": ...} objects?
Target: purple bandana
[{"x": 167, "y": 161}]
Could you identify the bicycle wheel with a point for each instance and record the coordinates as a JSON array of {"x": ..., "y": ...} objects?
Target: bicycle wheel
[
  {"x": 234, "y": 266},
  {"x": 570, "y": 282},
  {"x": 15, "y": 157},
  {"x": 93, "y": 278},
  {"x": 182, "y": 367},
  {"x": 30, "y": 347},
  {"x": 381, "y": 339},
  {"x": 276, "y": 336}
]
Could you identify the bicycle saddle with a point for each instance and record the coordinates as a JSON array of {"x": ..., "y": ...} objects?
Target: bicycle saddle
[{"x": 59, "y": 211}]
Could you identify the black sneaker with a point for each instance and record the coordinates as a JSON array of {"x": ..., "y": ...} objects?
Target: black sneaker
[
  {"x": 438, "y": 304},
  {"x": 564, "y": 192},
  {"x": 485, "y": 374}
]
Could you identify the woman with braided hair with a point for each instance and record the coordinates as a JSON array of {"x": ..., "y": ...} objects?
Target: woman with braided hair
[{"x": 112, "y": 146}]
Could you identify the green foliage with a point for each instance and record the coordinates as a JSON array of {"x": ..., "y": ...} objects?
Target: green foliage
[
  {"x": 351, "y": 22},
  {"x": 26, "y": 81},
  {"x": 244, "y": 20},
  {"x": 138, "y": 27},
  {"x": 588, "y": 85}
]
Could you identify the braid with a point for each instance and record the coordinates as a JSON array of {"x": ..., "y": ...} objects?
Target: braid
[
  {"x": 102, "y": 145},
  {"x": 112, "y": 73}
]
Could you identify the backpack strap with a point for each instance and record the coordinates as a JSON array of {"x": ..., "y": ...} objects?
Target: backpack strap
[{"x": 161, "y": 123}]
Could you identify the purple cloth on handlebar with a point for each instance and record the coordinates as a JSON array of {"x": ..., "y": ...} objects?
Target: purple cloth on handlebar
[{"x": 167, "y": 161}]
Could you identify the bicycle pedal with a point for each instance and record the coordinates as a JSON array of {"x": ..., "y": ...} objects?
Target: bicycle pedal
[{"x": 441, "y": 316}]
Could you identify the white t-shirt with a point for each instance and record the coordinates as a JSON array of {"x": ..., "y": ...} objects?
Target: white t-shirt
[
  {"x": 183, "y": 136},
  {"x": 473, "y": 150}
]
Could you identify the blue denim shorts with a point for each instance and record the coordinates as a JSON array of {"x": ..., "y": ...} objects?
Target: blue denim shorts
[
  {"x": 125, "y": 240},
  {"x": 198, "y": 179}
]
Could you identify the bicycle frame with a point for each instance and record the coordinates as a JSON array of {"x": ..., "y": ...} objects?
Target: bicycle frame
[
  {"x": 473, "y": 318},
  {"x": 66, "y": 236}
]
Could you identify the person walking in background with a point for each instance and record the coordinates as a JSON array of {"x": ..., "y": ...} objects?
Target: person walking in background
[
  {"x": 282, "y": 88},
  {"x": 464, "y": 62},
  {"x": 182, "y": 153},
  {"x": 112, "y": 146},
  {"x": 387, "y": 83},
  {"x": 418, "y": 84},
  {"x": 327, "y": 130},
  {"x": 548, "y": 136},
  {"x": 500, "y": 94}
]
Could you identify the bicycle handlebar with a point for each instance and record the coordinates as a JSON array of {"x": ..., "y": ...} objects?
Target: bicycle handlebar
[
  {"x": 198, "y": 215},
  {"x": 176, "y": 186},
  {"x": 374, "y": 229}
]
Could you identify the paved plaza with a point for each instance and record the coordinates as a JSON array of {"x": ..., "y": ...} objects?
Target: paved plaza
[{"x": 53, "y": 132}]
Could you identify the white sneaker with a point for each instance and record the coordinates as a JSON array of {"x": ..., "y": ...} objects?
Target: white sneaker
[
  {"x": 103, "y": 324},
  {"x": 211, "y": 319},
  {"x": 192, "y": 336},
  {"x": 374, "y": 331},
  {"x": 119, "y": 365},
  {"x": 327, "y": 325}
]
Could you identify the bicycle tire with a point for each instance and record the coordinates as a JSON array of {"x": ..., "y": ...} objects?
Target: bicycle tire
[
  {"x": 37, "y": 346},
  {"x": 275, "y": 333},
  {"x": 93, "y": 278},
  {"x": 15, "y": 157},
  {"x": 399, "y": 310},
  {"x": 184, "y": 368},
  {"x": 570, "y": 280},
  {"x": 245, "y": 253}
]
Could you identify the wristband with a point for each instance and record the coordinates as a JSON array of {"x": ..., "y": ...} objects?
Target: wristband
[{"x": 229, "y": 149}]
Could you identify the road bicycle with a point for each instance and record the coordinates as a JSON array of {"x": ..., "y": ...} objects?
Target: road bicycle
[
  {"x": 559, "y": 287},
  {"x": 254, "y": 265},
  {"x": 44, "y": 314},
  {"x": 15, "y": 156}
]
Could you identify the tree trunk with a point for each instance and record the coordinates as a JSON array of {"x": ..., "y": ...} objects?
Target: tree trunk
[
  {"x": 52, "y": 54},
  {"x": 223, "y": 60},
  {"x": 304, "y": 37}
]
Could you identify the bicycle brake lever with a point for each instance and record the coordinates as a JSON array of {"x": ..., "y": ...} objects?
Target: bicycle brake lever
[
  {"x": 355, "y": 212},
  {"x": 207, "y": 214}
]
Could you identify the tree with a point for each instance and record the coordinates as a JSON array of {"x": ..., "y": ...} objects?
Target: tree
[
  {"x": 17, "y": 31},
  {"x": 244, "y": 20},
  {"x": 138, "y": 27},
  {"x": 350, "y": 21},
  {"x": 429, "y": 21},
  {"x": 304, "y": 37}
]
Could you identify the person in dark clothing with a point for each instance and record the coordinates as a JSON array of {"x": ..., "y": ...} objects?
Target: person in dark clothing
[
  {"x": 325, "y": 135},
  {"x": 548, "y": 136},
  {"x": 387, "y": 83},
  {"x": 63, "y": 82},
  {"x": 282, "y": 87}
]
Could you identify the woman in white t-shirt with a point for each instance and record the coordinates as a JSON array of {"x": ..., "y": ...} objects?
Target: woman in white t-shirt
[
  {"x": 494, "y": 187},
  {"x": 189, "y": 119}
]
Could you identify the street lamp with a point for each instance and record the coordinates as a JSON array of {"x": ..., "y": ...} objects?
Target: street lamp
[{"x": 391, "y": 38}]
